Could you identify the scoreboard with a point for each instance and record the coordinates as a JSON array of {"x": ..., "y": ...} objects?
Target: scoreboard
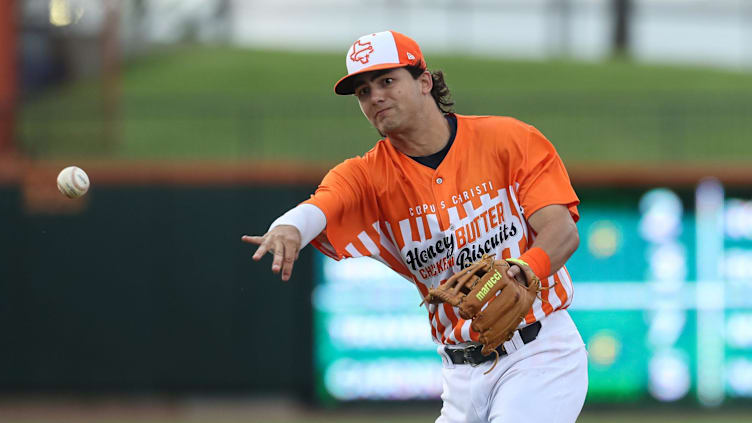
[{"x": 662, "y": 300}]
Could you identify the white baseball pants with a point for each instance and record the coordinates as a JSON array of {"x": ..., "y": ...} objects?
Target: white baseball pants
[{"x": 542, "y": 381}]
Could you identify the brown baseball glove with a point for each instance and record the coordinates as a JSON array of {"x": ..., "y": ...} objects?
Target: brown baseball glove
[{"x": 486, "y": 282}]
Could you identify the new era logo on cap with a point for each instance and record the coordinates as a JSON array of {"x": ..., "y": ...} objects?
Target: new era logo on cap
[{"x": 380, "y": 50}]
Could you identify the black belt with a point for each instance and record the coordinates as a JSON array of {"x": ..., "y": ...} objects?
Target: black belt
[{"x": 472, "y": 354}]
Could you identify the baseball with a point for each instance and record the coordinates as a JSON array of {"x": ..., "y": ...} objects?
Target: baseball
[{"x": 73, "y": 182}]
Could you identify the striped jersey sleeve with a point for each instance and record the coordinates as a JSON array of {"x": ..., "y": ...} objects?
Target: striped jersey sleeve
[{"x": 354, "y": 227}]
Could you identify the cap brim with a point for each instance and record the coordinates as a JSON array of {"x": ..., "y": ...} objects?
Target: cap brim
[{"x": 345, "y": 85}]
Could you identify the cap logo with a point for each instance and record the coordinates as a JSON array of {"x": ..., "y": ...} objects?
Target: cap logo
[
  {"x": 361, "y": 51},
  {"x": 410, "y": 56}
]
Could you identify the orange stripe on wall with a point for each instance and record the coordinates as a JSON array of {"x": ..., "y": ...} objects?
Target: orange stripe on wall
[
  {"x": 8, "y": 74},
  {"x": 249, "y": 172}
]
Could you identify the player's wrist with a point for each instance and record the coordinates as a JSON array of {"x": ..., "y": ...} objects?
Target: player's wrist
[
  {"x": 538, "y": 261},
  {"x": 308, "y": 219}
]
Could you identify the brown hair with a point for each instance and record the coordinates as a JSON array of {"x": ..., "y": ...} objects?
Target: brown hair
[{"x": 439, "y": 92}]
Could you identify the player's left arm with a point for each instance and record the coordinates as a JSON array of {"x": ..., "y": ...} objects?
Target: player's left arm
[{"x": 556, "y": 234}]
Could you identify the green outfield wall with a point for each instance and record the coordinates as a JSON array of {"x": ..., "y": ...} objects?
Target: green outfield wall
[
  {"x": 151, "y": 290},
  {"x": 146, "y": 288}
]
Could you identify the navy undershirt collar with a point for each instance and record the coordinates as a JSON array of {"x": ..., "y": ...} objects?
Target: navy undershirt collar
[{"x": 434, "y": 160}]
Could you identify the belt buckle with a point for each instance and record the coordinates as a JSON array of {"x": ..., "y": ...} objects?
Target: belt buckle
[{"x": 466, "y": 353}]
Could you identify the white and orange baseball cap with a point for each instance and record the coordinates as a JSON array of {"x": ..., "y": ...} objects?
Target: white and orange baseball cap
[{"x": 381, "y": 50}]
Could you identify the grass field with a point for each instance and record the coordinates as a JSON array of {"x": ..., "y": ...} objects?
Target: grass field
[
  {"x": 177, "y": 411},
  {"x": 234, "y": 104},
  {"x": 604, "y": 418},
  {"x": 387, "y": 417}
]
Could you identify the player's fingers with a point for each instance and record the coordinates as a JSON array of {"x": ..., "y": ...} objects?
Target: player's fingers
[
  {"x": 258, "y": 240},
  {"x": 515, "y": 272},
  {"x": 260, "y": 251},
  {"x": 263, "y": 248},
  {"x": 279, "y": 251},
  {"x": 289, "y": 260}
]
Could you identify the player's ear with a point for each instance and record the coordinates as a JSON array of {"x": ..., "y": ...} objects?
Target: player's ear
[{"x": 426, "y": 82}]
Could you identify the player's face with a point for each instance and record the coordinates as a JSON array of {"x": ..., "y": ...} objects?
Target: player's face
[{"x": 388, "y": 99}]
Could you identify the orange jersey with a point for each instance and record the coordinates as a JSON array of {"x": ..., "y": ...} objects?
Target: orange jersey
[{"x": 427, "y": 224}]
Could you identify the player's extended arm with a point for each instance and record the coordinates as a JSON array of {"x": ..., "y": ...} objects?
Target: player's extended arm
[
  {"x": 556, "y": 235},
  {"x": 287, "y": 236}
]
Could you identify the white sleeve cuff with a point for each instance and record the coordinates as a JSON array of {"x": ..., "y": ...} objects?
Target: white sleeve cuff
[{"x": 309, "y": 220}]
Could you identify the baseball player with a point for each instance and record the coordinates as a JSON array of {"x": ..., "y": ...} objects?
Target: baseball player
[{"x": 440, "y": 192}]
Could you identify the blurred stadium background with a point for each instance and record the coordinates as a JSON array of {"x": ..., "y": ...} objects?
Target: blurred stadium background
[{"x": 199, "y": 121}]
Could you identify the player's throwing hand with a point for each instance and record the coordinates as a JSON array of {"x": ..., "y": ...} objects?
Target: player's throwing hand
[{"x": 283, "y": 242}]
